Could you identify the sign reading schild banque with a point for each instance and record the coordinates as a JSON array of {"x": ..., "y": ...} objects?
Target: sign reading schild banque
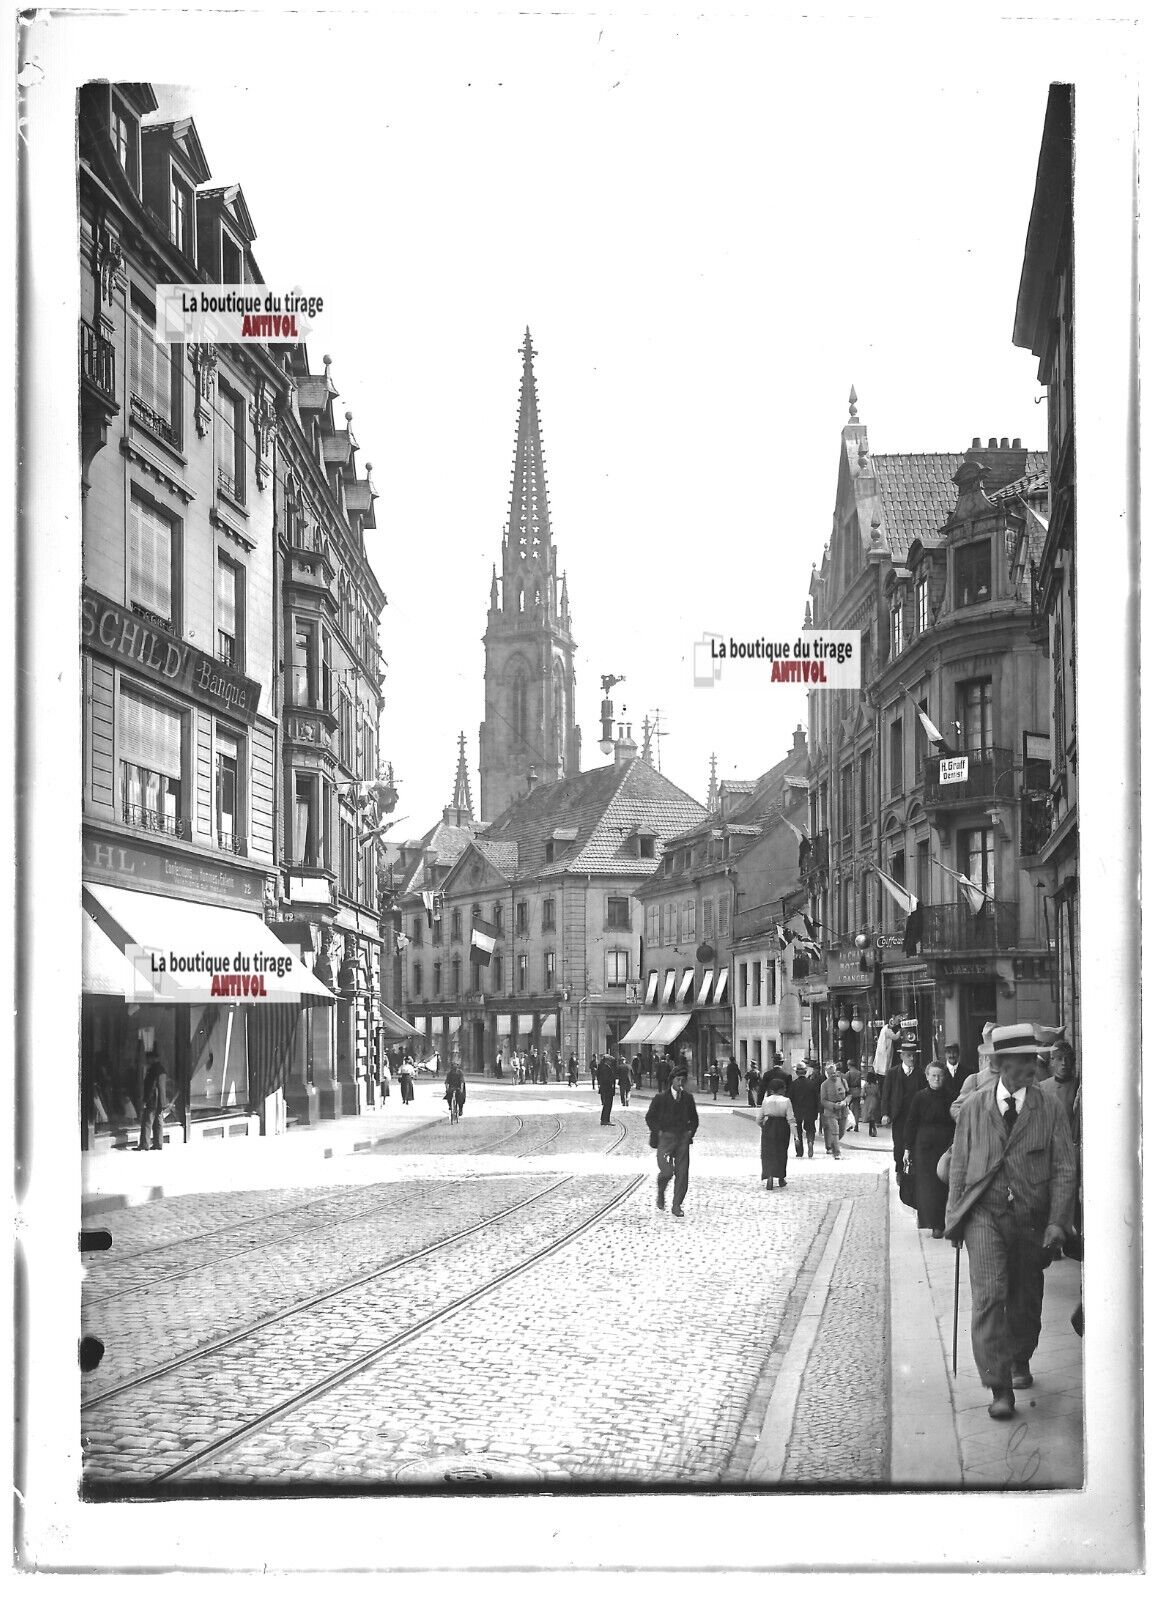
[{"x": 116, "y": 632}]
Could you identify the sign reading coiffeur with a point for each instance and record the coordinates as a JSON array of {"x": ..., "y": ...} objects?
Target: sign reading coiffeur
[{"x": 116, "y": 632}]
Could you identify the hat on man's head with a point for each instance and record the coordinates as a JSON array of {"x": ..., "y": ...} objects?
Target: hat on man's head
[
  {"x": 801, "y": 1067},
  {"x": 678, "y": 1071},
  {"x": 909, "y": 1049},
  {"x": 1016, "y": 1039}
]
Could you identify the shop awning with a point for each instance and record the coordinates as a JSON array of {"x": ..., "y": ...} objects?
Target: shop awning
[
  {"x": 548, "y": 1027},
  {"x": 395, "y": 1026},
  {"x": 641, "y": 1028},
  {"x": 706, "y": 985},
  {"x": 527, "y": 1024},
  {"x": 686, "y": 985},
  {"x": 194, "y": 940},
  {"x": 104, "y": 970},
  {"x": 670, "y": 980},
  {"x": 650, "y": 998},
  {"x": 719, "y": 991},
  {"x": 668, "y": 1028}
]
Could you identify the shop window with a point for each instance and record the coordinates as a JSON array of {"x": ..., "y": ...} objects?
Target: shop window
[
  {"x": 973, "y": 573},
  {"x": 219, "y": 1078},
  {"x": 149, "y": 745},
  {"x": 615, "y": 969},
  {"x": 230, "y": 612},
  {"x": 227, "y": 771},
  {"x": 153, "y": 565},
  {"x": 230, "y": 442}
]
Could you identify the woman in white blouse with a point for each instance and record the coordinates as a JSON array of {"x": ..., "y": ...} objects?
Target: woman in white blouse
[{"x": 777, "y": 1122}]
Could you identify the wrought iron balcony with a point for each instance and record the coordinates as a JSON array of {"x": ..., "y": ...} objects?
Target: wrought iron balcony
[
  {"x": 155, "y": 821},
  {"x": 1036, "y": 820},
  {"x": 229, "y": 840},
  {"x": 814, "y": 855},
  {"x": 154, "y": 423},
  {"x": 955, "y": 928},
  {"x": 989, "y": 775},
  {"x": 98, "y": 358}
]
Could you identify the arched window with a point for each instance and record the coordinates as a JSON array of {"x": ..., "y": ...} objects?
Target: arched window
[{"x": 520, "y": 599}]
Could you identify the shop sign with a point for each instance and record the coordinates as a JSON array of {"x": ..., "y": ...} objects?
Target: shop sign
[
  {"x": 953, "y": 769},
  {"x": 844, "y": 969},
  {"x": 114, "y": 631},
  {"x": 968, "y": 969},
  {"x": 150, "y": 871},
  {"x": 632, "y": 992}
]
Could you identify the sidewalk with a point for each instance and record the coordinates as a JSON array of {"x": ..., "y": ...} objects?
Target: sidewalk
[
  {"x": 114, "y": 1179},
  {"x": 940, "y": 1431}
]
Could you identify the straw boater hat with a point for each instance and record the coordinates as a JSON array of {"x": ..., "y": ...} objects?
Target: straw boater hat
[{"x": 1017, "y": 1039}]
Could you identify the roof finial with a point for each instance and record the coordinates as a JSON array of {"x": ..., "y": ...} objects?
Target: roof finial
[
  {"x": 853, "y": 405},
  {"x": 711, "y": 803}
]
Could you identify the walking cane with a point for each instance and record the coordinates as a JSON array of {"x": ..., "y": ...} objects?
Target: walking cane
[{"x": 955, "y": 1322}]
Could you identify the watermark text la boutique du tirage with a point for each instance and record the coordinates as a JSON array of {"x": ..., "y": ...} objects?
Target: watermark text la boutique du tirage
[{"x": 823, "y": 658}]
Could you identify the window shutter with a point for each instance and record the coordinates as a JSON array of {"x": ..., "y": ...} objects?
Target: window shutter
[{"x": 149, "y": 735}]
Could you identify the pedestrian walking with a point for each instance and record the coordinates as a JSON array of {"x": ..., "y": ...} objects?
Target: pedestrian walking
[
  {"x": 155, "y": 1101},
  {"x": 805, "y": 1097},
  {"x": 776, "y": 1117},
  {"x": 636, "y": 1072},
  {"x": 928, "y": 1133},
  {"x": 672, "y": 1123},
  {"x": 573, "y": 1070},
  {"x": 833, "y": 1102},
  {"x": 871, "y": 1102},
  {"x": 901, "y": 1085},
  {"x": 406, "y": 1080},
  {"x": 663, "y": 1066},
  {"x": 752, "y": 1084},
  {"x": 1063, "y": 1085},
  {"x": 593, "y": 1067},
  {"x": 606, "y": 1083},
  {"x": 732, "y": 1078},
  {"x": 1012, "y": 1194},
  {"x": 559, "y": 1067},
  {"x": 954, "y": 1070},
  {"x": 986, "y": 1077},
  {"x": 714, "y": 1079},
  {"x": 499, "y": 1063},
  {"x": 623, "y": 1080}
]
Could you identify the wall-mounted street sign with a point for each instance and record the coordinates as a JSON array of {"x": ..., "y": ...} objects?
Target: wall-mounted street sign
[
  {"x": 952, "y": 769},
  {"x": 632, "y": 992}
]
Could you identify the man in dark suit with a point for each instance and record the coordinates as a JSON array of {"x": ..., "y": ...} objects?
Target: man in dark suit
[
  {"x": 672, "y": 1118},
  {"x": 805, "y": 1098},
  {"x": 606, "y": 1083},
  {"x": 901, "y": 1085},
  {"x": 1011, "y": 1200}
]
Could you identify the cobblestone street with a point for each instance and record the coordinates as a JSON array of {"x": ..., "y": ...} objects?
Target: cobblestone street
[{"x": 500, "y": 1301}]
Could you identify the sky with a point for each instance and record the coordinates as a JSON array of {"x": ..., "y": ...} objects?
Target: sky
[{"x": 713, "y": 228}]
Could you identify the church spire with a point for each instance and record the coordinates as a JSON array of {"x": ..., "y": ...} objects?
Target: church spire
[
  {"x": 529, "y": 532},
  {"x": 461, "y": 798}
]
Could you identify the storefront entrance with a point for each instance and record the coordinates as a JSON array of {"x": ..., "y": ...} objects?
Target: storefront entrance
[{"x": 977, "y": 1007}]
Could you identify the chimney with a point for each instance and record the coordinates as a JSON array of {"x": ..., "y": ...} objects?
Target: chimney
[
  {"x": 1004, "y": 443},
  {"x": 625, "y": 747},
  {"x": 1017, "y": 444},
  {"x": 799, "y": 741}
]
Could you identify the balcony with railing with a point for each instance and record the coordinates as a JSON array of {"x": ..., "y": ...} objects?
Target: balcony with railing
[
  {"x": 954, "y": 929},
  {"x": 985, "y": 775},
  {"x": 814, "y": 855},
  {"x": 98, "y": 359},
  {"x": 1036, "y": 820},
  {"x": 154, "y": 821},
  {"x": 153, "y": 422}
]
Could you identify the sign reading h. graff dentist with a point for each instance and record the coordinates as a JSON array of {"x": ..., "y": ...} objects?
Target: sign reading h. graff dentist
[{"x": 116, "y": 632}]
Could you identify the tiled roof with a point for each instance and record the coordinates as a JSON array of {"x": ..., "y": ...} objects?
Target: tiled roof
[
  {"x": 917, "y": 497},
  {"x": 503, "y": 855},
  {"x": 448, "y": 842},
  {"x": 604, "y": 806}
]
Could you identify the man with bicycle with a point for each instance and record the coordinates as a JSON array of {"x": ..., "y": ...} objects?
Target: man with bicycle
[{"x": 455, "y": 1087}]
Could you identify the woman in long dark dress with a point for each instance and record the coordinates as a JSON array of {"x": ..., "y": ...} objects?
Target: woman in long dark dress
[
  {"x": 775, "y": 1115},
  {"x": 929, "y": 1131}
]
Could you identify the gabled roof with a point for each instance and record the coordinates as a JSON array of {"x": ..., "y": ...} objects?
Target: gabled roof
[
  {"x": 447, "y": 840},
  {"x": 917, "y": 496},
  {"x": 604, "y": 807}
]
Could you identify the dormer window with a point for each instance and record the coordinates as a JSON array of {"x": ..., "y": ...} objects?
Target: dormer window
[
  {"x": 896, "y": 626},
  {"x": 231, "y": 260},
  {"x": 647, "y": 846},
  {"x": 973, "y": 573},
  {"x": 181, "y": 214},
  {"x": 922, "y": 604}
]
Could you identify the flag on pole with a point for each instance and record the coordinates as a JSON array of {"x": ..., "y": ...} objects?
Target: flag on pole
[
  {"x": 928, "y": 726},
  {"x": 483, "y": 938},
  {"x": 782, "y": 936},
  {"x": 912, "y": 933},
  {"x": 901, "y": 897},
  {"x": 429, "y": 904},
  {"x": 797, "y": 832},
  {"x": 971, "y": 892}
]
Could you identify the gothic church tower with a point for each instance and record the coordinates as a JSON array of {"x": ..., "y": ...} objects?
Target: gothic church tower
[{"x": 528, "y": 733}]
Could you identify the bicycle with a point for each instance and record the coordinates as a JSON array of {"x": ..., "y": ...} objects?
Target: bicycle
[{"x": 453, "y": 1104}]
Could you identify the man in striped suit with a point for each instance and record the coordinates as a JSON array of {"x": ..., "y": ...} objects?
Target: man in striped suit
[{"x": 1011, "y": 1199}]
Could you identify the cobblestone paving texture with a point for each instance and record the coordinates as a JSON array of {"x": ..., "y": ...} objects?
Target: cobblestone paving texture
[
  {"x": 546, "y": 1368},
  {"x": 841, "y": 1431}
]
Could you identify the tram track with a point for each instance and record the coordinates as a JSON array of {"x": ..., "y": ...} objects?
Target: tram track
[{"x": 350, "y": 1369}]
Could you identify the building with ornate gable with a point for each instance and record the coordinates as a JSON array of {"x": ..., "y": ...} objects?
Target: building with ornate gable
[{"x": 924, "y": 562}]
